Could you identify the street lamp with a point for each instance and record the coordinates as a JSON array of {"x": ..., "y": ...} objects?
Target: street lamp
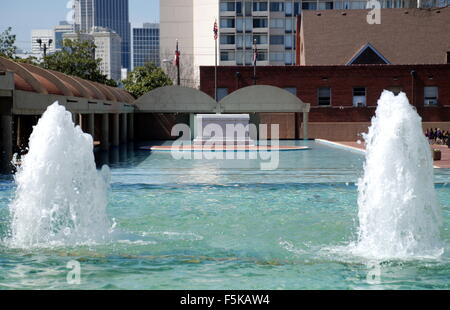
[{"x": 45, "y": 47}]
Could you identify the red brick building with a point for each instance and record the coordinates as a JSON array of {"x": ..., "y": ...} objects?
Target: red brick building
[
  {"x": 345, "y": 63},
  {"x": 343, "y": 98}
]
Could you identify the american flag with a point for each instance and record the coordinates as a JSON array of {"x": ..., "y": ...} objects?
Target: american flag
[
  {"x": 216, "y": 30},
  {"x": 176, "y": 60}
]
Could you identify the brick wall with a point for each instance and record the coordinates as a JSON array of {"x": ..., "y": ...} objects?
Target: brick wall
[{"x": 341, "y": 80}]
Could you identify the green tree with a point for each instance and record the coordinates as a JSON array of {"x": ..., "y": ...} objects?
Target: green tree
[
  {"x": 77, "y": 58},
  {"x": 146, "y": 78},
  {"x": 7, "y": 43}
]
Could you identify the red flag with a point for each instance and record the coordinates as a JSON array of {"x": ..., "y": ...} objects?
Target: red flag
[
  {"x": 216, "y": 30},
  {"x": 176, "y": 60}
]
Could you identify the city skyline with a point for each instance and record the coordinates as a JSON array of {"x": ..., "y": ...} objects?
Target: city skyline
[{"x": 141, "y": 11}]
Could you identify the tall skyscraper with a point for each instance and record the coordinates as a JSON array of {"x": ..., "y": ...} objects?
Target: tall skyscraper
[
  {"x": 112, "y": 14},
  {"x": 191, "y": 23},
  {"x": 271, "y": 24},
  {"x": 108, "y": 47},
  {"x": 59, "y": 30},
  {"x": 146, "y": 45},
  {"x": 84, "y": 15}
]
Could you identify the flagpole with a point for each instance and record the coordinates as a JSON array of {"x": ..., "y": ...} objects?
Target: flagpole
[
  {"x": 255, "y": 56},
  {"x": 178, "y": 66},
  {"x": 215, "y": 72},
  {"x": 216, "y": 36}
]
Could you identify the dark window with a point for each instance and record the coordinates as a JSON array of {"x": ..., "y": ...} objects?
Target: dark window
[
  {"x": 448, "y": 57},
  {"x": 309, "y": 6},
  {"x": 227, "y": 6},
  {"x": 239, "y": 8},
  {"x": 260, "y": 23},
  {"x": 431, "y": 95},
  {"x": 227, "y": 55},
  {"x": 297, "y": 8},
  {"x": 359, "y": 97},
  {"x": 275, "y": 39},
  {"x": 259, "y": 6},
  {"x": 227, "y": 39},
  {"x": 277, "y": 6},
  {"x": 262, "y": 56},
  {"x": 227, "y": 23},
  {"x": 324, "y": 96}
]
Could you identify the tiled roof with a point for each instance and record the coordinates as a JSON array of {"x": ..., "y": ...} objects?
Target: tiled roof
[{"x": 35, "y": 79}]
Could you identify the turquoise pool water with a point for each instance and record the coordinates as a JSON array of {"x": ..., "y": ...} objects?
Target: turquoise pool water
[{"x": 197, "y": 224}]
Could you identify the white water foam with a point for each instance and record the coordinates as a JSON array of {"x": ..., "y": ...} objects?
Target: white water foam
[
  {"x": 399, "y": 216},
  {"x": 61, "y": 198}
]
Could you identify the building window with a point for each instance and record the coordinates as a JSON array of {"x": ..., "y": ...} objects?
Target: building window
[
  {"x": 239, "y": 58},
  {"x": 309, "y": 6},
  {"x": 359, "y": 97},
  {"x": 288, "y": 42},
  {"x": 289, "y": 25},
  {"x": 227, "y": 56},
  {"x": 276, "y": 39},
  {"x": 277, "y": 56},
  {"x": 239, "y": 8},
  {"x": 221, "y": 93},
  {"x": 262, "y": 56},
  {"x": 292, "y": 90},
  {"x": 240, "y": 25},
  {"x": 227, "y": 7},
  {"x": 248, "y": 8},
  {"x": 288, "y": 9},
  {"x": 260, "y": 38},
  {"x": 248, "y": 41},
  {"x": 277, "y": 6},
  {"x": 248, "y": 24},
  {"x": 239, "y": 41},
  {"x": 297, "y": 6},
  {"x": 260, "y": 23},
  {"x": 288, "y": 58},
  {"x": 431, "y": 95},
  {"x": 448, "y": 57},
  {"x": 248, "y": 58},
  {"x": 329, "y": 5},
  {"x": 324, "y": 96},
  {"x": 277, "y": 23},
  {"x": 259, "y": 6},
  {"x": 227, "y": 39},
  {"x": 227, "y": 23}
]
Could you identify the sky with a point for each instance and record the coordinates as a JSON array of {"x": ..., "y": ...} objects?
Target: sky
[{"x": 25, "y": 15}]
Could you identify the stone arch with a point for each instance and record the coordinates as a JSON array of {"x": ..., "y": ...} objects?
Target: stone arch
[
  {"x": 262, "y": 98},
  {"x": 265, "y": 98},
  {"x": 176, "y": 99}
]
